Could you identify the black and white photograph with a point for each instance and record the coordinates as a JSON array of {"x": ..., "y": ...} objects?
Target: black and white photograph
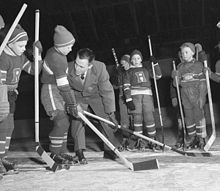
[{"x": 109, "y": 95}]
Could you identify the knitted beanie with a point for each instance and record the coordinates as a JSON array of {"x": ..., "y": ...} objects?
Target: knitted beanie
[
  {"x": 134, "y": 52},
  {"x": 126, "y": 58},
  {"x": 18, "y": 34},
  {"x": 2, "y": 23},
  {"x": 62, "y": 37},
  {"x": 190, "y": 45}
]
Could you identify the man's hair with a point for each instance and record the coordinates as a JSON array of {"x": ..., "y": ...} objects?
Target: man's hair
[{"x": 86, "y": 53}]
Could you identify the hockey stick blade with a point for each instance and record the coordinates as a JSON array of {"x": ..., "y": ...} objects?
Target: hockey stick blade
[
  {"x": 192, "y": 154},
  {"x": 144, "y": 165},
  {"x": 46, "y": 158},
  {"x": 210, "y": 142}
]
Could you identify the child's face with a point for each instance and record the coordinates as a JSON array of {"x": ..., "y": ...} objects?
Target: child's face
[
  {"x": 18, "y": 47},
  {"x": 125, "y": 64},
  {"x": 136, "y": 60},
  {"x": 66, "y": 49},
  {"x": 187, "y": 54}
]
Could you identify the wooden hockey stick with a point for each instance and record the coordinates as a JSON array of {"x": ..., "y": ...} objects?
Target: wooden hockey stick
[
  {"x": 193, "y": 154},
  {"x": 50, "y": 162},
  {"x": 213, "y": 135},
  {"x": 156, "y": 90},
  {"x": 180, "y": 106},
  {"x": 198, "y": 48},
  {"x": 115, "y": 57},
  {"x": 144, "y": 165},
  {"x": 12, "y": 28}
]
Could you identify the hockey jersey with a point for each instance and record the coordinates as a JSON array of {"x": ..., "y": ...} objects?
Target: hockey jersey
[
  {"x": 11, "y": 67},
  {"x": 55, "y": 69},
  {"x": 137, "y": 81},
  {"x": 190, "y": 73}
]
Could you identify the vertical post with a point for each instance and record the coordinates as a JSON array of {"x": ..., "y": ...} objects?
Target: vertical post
[
  {"x": 36, "y": 76},
  {"x": 180, "y": 106},
  {"x": 156, "y": 90},
  {"x": 213, "y": 135},
  {"x": 115, "y": 57}
]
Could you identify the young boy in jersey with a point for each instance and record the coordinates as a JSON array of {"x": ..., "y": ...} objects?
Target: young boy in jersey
[
  {"x": 56, "y": 92},
  {"x": 193, "y": 86},
  {"x": 123, "y": 109},
  {"x": 138, "y": 93},
  {"x": 12, "y": 62}
]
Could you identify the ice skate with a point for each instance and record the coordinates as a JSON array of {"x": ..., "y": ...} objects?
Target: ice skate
[
  {"x": 72, "y": 159},
  {"x": 59, "y": 159},
  {"x": 154, "y": 147},
  {"x": 10, "y": 167},
  {"x": 192, "y": 143},
  {"x": 201, "y": 143},
  {"x": 143, "y": 145},
  {"x": 81, "y": 157},
  {"x": 2, "y": 168}
]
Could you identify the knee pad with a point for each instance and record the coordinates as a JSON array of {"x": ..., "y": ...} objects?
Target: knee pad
[
  {"x": 148, "y": 117},
  {"x": 61, "y": 120}
]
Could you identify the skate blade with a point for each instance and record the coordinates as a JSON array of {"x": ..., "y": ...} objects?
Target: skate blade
[{"x": 11, "y": 172}]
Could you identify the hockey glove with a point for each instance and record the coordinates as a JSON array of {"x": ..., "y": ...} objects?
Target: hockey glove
[
  {"x": 153, "y": 59},
  {"x": 73, "y": 109},
  {"x": 174, "y": 74},
  {"x": 202, "y": 56},
  {"x": 131, "y": 105},
  {"x": 39, "y": 46},
  {"x": 4, "y": 104},
  {"x": 174, "y": 102},
  {"x": 209, "y": 71}
]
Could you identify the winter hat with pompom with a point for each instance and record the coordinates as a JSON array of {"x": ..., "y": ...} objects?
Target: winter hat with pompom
[
  {"x": 62, "y": 37},
  {"x": 19, "y": 34}
]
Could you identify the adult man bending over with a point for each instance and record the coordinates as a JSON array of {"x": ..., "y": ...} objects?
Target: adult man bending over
[{"x": 89, "y": 80}]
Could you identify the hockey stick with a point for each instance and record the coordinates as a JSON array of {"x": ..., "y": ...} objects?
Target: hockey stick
[
  {"x": 193, "y": 154},
  {"x": 213, "y": 135},
  {"x": 199, "y": 49},
  {"x": 12, "y": 28},
  {"x": 156, "y": 90},
  {"x": 180, "y": 106},
  {"x": 50, "y": 162},
  {"x": 144, "y": 165},
  {"x": 115, "y": 57}
]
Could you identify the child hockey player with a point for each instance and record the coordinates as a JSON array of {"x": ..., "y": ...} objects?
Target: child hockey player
[
  {"x": 193, "y": 91},
  {"x": 138, "y": 93},
  {"x": 12, "y": 62},
  {"x": 56, "y": 92},
  {"x": 124, "y": 114}
]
